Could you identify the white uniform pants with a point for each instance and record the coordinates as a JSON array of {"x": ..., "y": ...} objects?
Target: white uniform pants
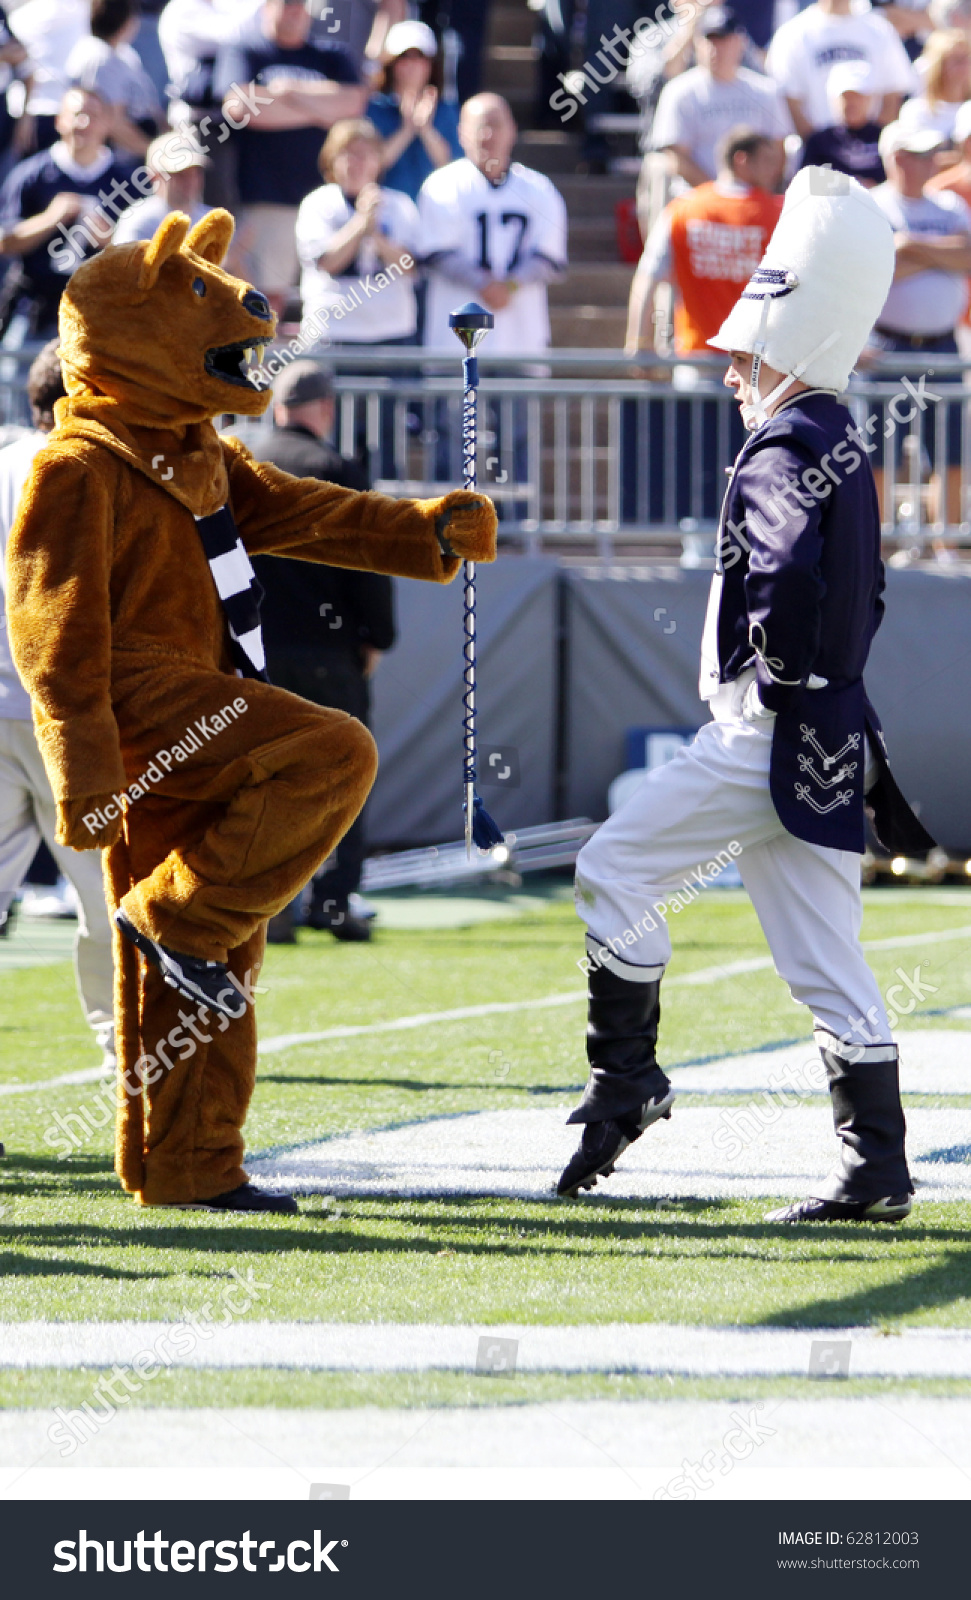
[
  {"x": 27, "y": 815},
  {"x": 635, "y": 875}
]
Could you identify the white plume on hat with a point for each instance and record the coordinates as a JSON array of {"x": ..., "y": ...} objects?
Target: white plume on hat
[{"x": 821, "y": 284}]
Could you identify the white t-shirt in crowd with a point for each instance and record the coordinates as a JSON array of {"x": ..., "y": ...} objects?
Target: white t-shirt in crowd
[
  {"x": 919, "y": 113},
  {"x": 141, "y": 220},
  {"x": 696, "y": 111},
  {"x": 15, "y": 463},
  {"x": 367, "y": 304},
  {"x": 931, "y": 302},
  {"x": 474, "y": 231},
  {"x": 189, "y": 30},
  {"x": 807, "y": 47},
  {"x": 48, "y": 31}
]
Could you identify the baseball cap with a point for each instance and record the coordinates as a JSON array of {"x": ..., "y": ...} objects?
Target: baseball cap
[
  {"x": 174, "y": 152},
  {"x": 846, "y": 76},
  {"x": 718, "y": 21},
  {"x": 916, "y": 141},
  {"x": 962, "y": 123},
  {"x": 302, "y": 381},
  {"x": 402, "y": 36}
]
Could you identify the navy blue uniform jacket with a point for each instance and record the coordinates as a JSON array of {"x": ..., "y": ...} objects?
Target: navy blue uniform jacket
[{"x": 802, "y": 584}]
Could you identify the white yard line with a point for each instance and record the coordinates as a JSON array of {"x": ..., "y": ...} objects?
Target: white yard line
[
  {"x": 89, "y": 1075},
  {"x": 690, "y": 1351},
  {"x": 800, "y": 1450},
  {"x": 705, "y": 975},
  {"x": 423, "y": 1019}
]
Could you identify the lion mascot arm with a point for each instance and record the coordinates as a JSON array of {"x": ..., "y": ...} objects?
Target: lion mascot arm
[
  {"x": 59, "y": 618},
  {"x": 314, "y": 521}
]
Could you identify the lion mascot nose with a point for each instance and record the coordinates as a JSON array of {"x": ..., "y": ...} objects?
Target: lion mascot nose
[{"x": 257, "y": 304}]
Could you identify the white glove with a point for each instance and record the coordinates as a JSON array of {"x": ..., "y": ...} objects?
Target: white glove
[{"x": 752, "y": 708}]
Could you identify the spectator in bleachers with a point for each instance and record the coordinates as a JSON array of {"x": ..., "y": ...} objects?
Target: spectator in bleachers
[
  {"x": 911, "y": 20},
  {"x": 290, "y": 82},
  {"x": 28, "y": 813},
  {"x": 699, "y": 107},
  {"x": 13, "y": 56},
  {"x": 191, "y": 34},
  {"x": 48, "y": 31},
  {"x": 177, "y": 165},
  {"x": 851, "y": 143},
  {"x": 957, "y": 180},
  {"x": 107, "y": 62},
  {"x": 420, "y": 131},
  {"x": 810, "y": 43},
  {"x": 325, "y": 628},
  {"x": 492, "y": 229},
  {"x": 50, "y": 215},
  {"x": 357, "y": 243},
  {"x": 946, "y": 60},
  {"x": 707, "y": 243},
  {"x": 929, "y": 293},
  {"x": 932, "y": 232},
  {"x": 466, "y": 22},
  {"x": 362, "y": 27}
]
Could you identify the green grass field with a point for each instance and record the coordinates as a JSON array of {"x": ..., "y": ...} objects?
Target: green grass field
[{"x": 72, "y": 1246}]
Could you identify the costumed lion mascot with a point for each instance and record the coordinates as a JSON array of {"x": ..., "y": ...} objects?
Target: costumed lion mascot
[{"x": 134, "y": 621}]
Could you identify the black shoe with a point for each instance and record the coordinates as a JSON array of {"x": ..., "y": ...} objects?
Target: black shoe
[
  {"x": 248, "y": 1198},
  {"x": 892, "y": 1208},
  {"x": 603, "y": 1142},
  {"x": 279, "y": 929},
  {"x": 205, "y": 981}
]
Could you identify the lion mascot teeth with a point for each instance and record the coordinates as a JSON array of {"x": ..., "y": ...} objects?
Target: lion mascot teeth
[{"x": 134, "y": 624}]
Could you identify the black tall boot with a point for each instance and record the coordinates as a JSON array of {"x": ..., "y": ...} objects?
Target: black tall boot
[
  {"x": 626, "y": 1090},
  {"x": 872, "y": 1183}
]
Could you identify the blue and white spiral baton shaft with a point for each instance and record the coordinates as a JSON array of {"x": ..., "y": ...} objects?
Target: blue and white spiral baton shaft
[{"x": 471, "y": 323}]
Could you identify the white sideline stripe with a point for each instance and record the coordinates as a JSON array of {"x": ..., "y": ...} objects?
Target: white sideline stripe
[
  {"x": 705, "y": 1152},
  {"x": 730, "y": 969},
  {"x": 810, "y": 1449},
  {"x": 690, "y": 1351}
]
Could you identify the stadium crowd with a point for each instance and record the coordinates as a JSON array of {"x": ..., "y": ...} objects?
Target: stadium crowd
[
  {"x": 880, "y": 93},
  {"x": 359, "y": 181},
  {"x": 373, "y": 183}
]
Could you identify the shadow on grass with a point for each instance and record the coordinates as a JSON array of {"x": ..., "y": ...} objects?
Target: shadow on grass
[{"x": 697, "y": 1236}]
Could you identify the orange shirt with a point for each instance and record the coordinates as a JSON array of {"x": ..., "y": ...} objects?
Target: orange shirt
[
  {"x": 718, "y": 239},
  {"x": 957, "y": 179}
]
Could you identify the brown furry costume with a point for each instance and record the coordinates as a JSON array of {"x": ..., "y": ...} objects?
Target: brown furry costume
[{"x": 119, "y": 634}]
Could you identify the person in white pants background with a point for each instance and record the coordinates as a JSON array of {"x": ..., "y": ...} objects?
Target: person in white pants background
[
  {"x": 777, "y": 780},
  {"x": 27, "y": 809}
]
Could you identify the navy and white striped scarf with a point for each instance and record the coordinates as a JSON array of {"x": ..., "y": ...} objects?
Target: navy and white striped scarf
[{"x": 238, "y": 588}]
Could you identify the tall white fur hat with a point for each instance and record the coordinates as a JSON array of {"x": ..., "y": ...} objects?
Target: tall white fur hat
[{"x": 821, "y": 284}]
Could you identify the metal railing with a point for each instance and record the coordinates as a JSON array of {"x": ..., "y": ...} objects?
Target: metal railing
[{"x": 581, "y": 449}]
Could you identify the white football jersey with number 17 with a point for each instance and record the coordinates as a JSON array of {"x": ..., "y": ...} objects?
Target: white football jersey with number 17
[{"x": 496, "y": 229}]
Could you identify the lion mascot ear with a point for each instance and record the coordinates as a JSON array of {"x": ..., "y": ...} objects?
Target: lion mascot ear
[
  {"x": 168, "y": 241},
  {"x": 211, "y": 237}
]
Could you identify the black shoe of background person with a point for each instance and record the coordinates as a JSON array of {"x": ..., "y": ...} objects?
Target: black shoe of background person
[
  {"x": 279, "y": 929},
  {"x": 207, "y": 982},
  {"x": 604, "y": 1142},
  {"x": 248, "y": 1198},
  {"x": 890, "y": 1208}
]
